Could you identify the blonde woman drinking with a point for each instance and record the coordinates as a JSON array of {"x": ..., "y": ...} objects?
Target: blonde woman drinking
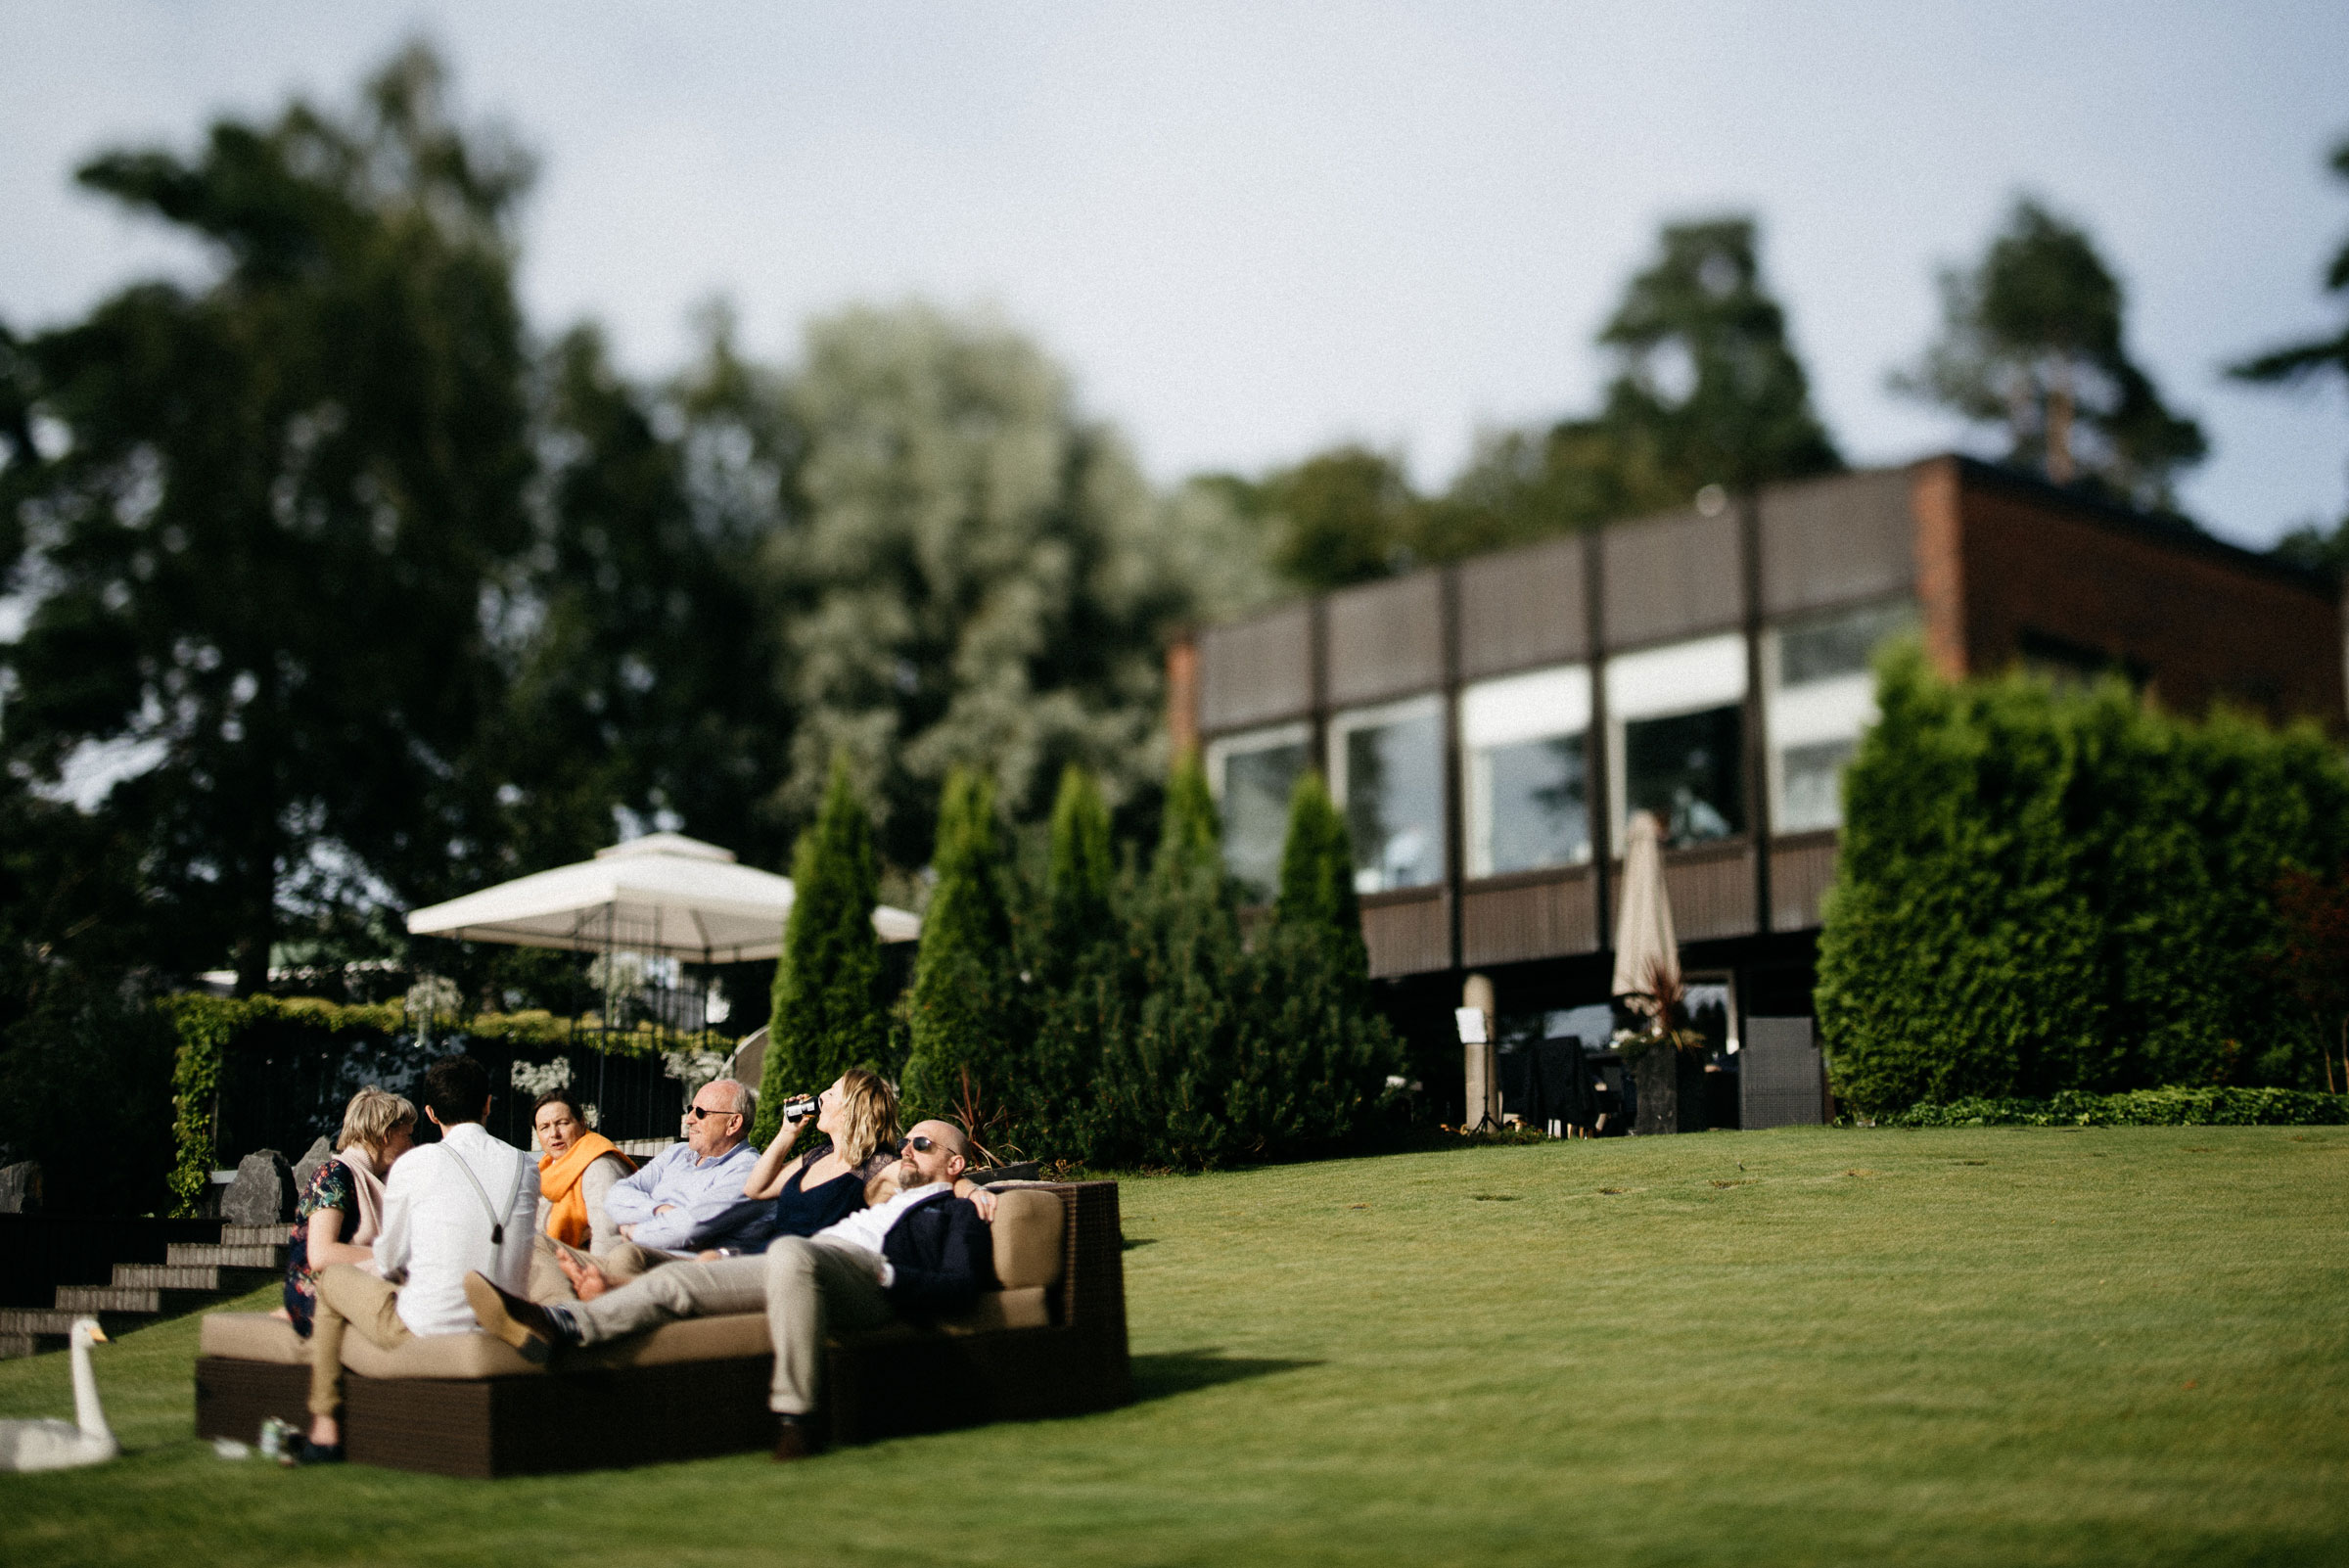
[{"x": 859, "y": 1113}]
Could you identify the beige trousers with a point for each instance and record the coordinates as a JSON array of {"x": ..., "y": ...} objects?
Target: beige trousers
[
  {"x": 626, "y": 1261},
  {"x": 350, "y": 1296},
  {"x": 808, "y": 1289}
]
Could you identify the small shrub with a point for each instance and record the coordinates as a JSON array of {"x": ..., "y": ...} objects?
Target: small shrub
[{"x": 2157, "y": 1107}]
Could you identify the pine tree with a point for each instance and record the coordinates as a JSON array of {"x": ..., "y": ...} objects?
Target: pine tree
[
  {"x": 964, "y": 999},
  {"x": 831, "y": 1006},
  {"x": 2033, "y": 339}
]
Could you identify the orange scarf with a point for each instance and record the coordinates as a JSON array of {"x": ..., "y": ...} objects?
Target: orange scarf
[{"x": 559, "y": 1184}]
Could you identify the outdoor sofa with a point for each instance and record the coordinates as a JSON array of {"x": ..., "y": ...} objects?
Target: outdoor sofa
[{"x": 1050, "y": 1342}]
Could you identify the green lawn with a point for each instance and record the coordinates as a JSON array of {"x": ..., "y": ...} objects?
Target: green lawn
[{"x": 1998, "y": 1346}]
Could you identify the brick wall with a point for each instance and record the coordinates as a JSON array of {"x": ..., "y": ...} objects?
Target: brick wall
[{"x": 2006, "y": 566}]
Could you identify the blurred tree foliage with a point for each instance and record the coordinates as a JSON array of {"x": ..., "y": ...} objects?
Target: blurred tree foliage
[
  {"x": 359, "y": 598},
  {"x": 1706, "y": 389},
  {"x": 2325, "y": 549},
  {"x": 261, "y": 518},
  {"x": 2032, "y": 341}
]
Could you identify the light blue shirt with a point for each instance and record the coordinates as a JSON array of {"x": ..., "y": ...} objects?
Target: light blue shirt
[{"x": 706, "y": 1196}]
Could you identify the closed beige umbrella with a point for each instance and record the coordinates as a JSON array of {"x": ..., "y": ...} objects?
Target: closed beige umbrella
[{"x": 1644, "y": 944}]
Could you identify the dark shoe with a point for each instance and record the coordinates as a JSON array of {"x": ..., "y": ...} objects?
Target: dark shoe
[
  {"x": 305, "y": 1452},
  {"x": 526, "y": 1325},
  {"x": 795, "y": 1439}
]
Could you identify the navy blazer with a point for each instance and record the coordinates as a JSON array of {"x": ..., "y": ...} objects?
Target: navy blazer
[{"x": 942, "y": 1255}]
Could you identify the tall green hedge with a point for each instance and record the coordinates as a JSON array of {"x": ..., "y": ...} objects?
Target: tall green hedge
[{"x": 2042, "y": 891}]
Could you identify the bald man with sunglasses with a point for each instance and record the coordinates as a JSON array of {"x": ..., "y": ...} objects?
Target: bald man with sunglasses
[{"x": 922, "y": 1253}]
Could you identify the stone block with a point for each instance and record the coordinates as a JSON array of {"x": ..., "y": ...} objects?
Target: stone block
[
  {"x": 263, "y": 1192},
  {"x": 21, "y": 1187},
  {"x": 305, "y": 1168}
]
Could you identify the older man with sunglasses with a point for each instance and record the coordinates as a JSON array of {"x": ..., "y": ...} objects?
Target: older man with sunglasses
[
  {"x": 689, "y": 1197},
  {"x": 921, "y": 1253}
]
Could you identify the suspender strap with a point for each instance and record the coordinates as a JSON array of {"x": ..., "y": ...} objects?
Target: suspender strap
[{"x": 497, "y": 1221}]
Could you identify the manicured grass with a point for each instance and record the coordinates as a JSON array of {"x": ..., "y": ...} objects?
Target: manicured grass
[{"x": 1974, "y": 1346}]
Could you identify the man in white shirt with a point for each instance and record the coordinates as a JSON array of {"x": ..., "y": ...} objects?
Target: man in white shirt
[
  {"x": 465, "y": 1204},
  {"x": 923, "y": 1252}
]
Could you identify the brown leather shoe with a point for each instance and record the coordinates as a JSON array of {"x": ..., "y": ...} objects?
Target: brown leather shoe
[
  {"x": 522, "y": 1324},
  {"x": 793, "y": 1439}
]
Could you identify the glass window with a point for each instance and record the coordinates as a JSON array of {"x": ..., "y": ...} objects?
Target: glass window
[
  {"x": 1527, "y": 781},
  {"x": 1824, "y": 697},
  {"x": 1813, "y": 785},
  {"x": 1686, "y": 769},
  {"x": 1839, "y": 644},
  {"x": 1536, "y": 806},
  {"x": 1389, "y": 778},
  {"x": 1254, "y": 775}
]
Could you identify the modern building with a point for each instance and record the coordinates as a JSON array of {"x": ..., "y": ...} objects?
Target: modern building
[{"x": 1489, "y": 726}]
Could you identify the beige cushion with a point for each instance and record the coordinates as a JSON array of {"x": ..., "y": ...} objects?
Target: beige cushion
[
  {"x": 436, "y": 1355},
  {"x": 1026, "y": 1307},
  {"x": 1027, "y": 1235},
  {"x": 688, "y": 1339},
  {"x": 253, "y": 1337}
]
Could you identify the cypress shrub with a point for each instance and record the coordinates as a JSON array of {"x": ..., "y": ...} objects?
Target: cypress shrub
[
  {"x": 2040, "y": 892},
  {"x": 964, "y": 1011},
  {"x": 1170, "y": 1019},
  {"x": 831, "y": 997},
  {"x": 1076, "y": 957},
  {"x": 1315, "y": 1052}
]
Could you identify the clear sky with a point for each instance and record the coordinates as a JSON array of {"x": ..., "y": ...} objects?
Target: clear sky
[{"x": 1250, "y": 230}]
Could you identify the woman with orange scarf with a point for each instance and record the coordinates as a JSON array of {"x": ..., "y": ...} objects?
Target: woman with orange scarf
[{"x": 575, "y": 1170}]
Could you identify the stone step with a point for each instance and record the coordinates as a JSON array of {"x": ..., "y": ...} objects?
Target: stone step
[
  {"x": 198, "y": 1254},
  {"x": 254, "y": 1235},
  {"x": 145, "y": 1299},
  {"x": 16, "y": 1347},
  {"x": 48, "y": 1324},
  {"x": 210, "y": 1278}
]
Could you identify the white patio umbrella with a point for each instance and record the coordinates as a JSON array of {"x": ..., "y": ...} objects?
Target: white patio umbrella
[
  {"x": 662, "y": 895},
  {"x": 1644, "y": 942}
]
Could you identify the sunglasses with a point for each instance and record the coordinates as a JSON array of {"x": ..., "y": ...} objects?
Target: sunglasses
[
  {"x": 918, "y": 1144},
  {"x": 703, "y": 1113}
]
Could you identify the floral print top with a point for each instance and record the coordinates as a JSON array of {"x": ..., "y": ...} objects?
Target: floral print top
[{"x": 330, "y": 1188}]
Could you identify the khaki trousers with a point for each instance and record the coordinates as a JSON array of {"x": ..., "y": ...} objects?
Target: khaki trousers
[
  {"x": 350, "y": 1296},
  {"x": 808, "y": 1289},
  {"x": 548, "y": 1282}
]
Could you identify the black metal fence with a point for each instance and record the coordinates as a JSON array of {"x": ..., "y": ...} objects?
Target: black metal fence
[{"x": 283, "y": 1085}]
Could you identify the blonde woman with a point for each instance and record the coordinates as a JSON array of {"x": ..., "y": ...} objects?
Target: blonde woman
[
  {"x": 342, "y": 1212},
  {"x": 859, "y": 1113}
]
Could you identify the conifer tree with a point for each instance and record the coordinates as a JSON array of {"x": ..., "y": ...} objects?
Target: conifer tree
[
  {"x": 1077, "y": 874},
  {"x": 1191, "y": 836},
  {"x": 1315, "y": 1052},
  {"x": 831, "y": 1009},
  {"x": 1316, "y": 869},
  {"x": 963, "y": 981}
]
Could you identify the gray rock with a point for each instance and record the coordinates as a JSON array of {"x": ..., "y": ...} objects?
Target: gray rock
[
  {"x": 305, "y": 1168},
  {"x": 263, "y": 1193},
  {"x": 21, "y": 1187}
]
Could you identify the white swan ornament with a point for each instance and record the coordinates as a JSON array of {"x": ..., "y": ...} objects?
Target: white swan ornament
[{"x": 65, "y": 1444}]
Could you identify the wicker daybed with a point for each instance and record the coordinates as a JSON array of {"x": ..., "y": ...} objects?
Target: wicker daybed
[{"x": 1051, "y": 1342}]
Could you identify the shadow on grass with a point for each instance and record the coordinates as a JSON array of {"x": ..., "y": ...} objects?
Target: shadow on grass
[
  {"x": 1158, "y": 1377},
  {"x": 1132, "y": 1242}
]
